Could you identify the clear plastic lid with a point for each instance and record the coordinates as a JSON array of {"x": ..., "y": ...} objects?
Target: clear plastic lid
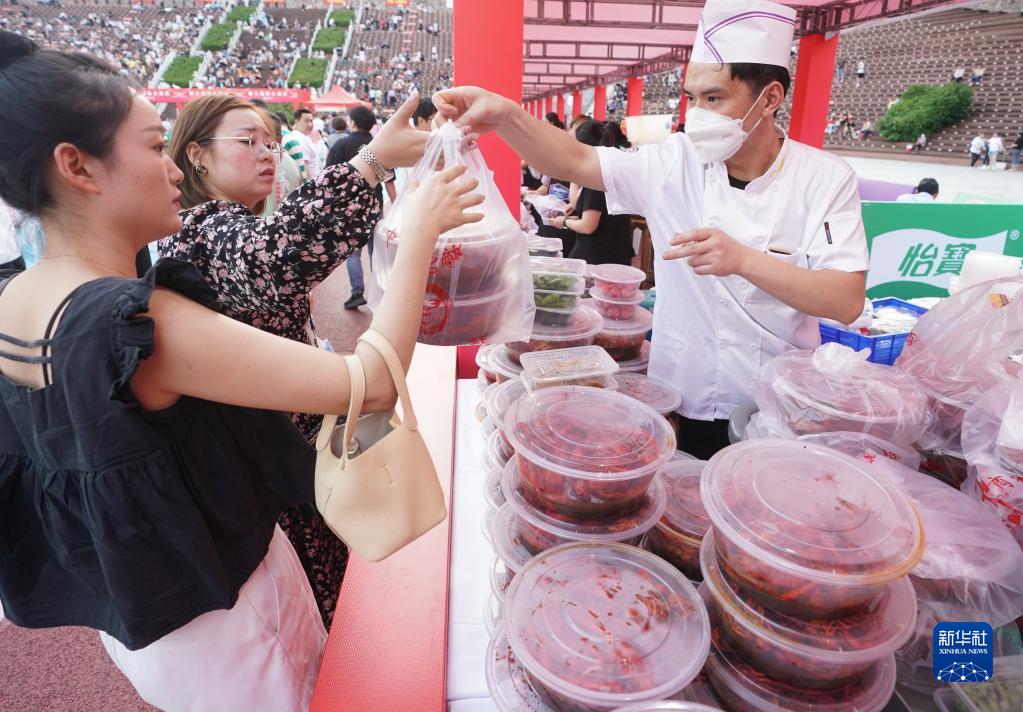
[
  {"x": 685, "y": 512},
  {"x": 544, "y": 246},
  {"x": 619, "y": 274},
  {"x": 861, "y": 637},
  {"x": 1003, "y": 692},
  {"x": 542, "y": 369},
  {"x": 584, "y": 323},
  {"x": 492, "y": 491},
  {"x": 505, "y": 538},
  {"x": 606, "y": 624},
  {"x": 640, "y": 323},
  {"x": 498, "y": 459},
  {"x": 501, "y": 364},
  {"x": 485, "y": 354},
  {"x": 665, "y": 705},
  {"x": 558, "y": 265},
  {"x": 544, "y": 282},
  {"x": 507, "y": 680},
  {"x": 812, "y": 512},
  {"x": 589, "y": 433},
  {"x": 488, "y": 525},
  {"x": 599, "y": 295},
  {"x": 638, "y": 364},
  {"x": 500, "y": 578},
  {"x": 493, "y": 613},
  {"x": 498, "y": 399},
  {"x": 741, "y": 687},
  {"x": 654, "y": 392},
  {"x": 632, "y": 525}
]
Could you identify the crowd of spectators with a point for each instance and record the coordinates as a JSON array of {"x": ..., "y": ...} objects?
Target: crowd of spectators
[{"x": 134, "y": 38}]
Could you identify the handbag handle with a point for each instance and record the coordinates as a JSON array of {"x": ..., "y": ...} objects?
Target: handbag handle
[
  {"x": 357, "y": 377},
  {"x": 383, "y": 347}
]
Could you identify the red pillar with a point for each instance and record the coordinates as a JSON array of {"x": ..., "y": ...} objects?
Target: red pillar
[
  {"x": 548, "y": 105},
  {"x": 577, "y": 103},
  {"x": 488, "y": 54},
  {"x": 812, "y": 94},
  {"x": 683, "y": 103},
  {"x": 561, "y": 107},
  {"x": 634, "y": 97},
  {"x": 600, "y": 102}
]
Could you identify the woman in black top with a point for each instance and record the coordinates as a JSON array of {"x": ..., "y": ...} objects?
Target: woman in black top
[
  {"x": 264, "y": 269},
  {"x": 601, "y": 238},
  {"x": 144, "y": 459}
]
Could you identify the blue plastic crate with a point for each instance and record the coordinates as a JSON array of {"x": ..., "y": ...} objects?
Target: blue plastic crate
[{"x": 884, "y": 349}]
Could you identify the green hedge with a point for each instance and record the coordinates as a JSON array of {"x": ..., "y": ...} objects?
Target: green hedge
[
  {"x": 219, "y": 36},
  {"x": 308, "y": 72},
  {"x": 181, "y": 70},
  {"x": 342, "y": 18},
  {"x": 925, "y": 109},
  {"x": 286, "y": 109},
  {"x": 329, "y": 38},
  {"x": 240, "y": 13}
]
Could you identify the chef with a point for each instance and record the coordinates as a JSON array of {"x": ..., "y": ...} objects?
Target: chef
[{"x": 755, "y": 235}]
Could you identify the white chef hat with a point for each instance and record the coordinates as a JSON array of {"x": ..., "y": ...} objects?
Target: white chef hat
[{"x": 733, "y": 31}]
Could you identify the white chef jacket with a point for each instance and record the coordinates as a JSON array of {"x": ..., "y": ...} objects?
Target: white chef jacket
[{"x": 711, "y": 334}]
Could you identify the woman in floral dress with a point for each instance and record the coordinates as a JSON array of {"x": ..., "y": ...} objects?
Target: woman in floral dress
[{"x": 263, "y": 269}]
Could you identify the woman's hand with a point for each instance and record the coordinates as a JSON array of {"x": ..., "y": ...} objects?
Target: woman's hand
[
  {"x": 438, "y": 204},
  {"x": 474, "y": 107},
  {"x": 398, "y": 144}
]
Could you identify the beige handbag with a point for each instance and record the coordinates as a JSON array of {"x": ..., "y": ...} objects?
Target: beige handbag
[{"x": 376, "y": 485}]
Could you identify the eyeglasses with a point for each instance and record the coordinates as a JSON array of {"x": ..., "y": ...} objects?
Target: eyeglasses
[{"x": 257, "y": 146}]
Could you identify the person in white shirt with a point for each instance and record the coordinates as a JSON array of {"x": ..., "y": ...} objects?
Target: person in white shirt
[
  {"x": 756, "y": 236},
  {"x": 926, "y": 192},
  {"x": 300, "y": 135},
  {"x": 995, "y": 146},
  {"x": 978, "y": 149}
]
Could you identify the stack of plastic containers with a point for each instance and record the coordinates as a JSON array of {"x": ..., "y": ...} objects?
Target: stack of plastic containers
[
  {"x": 584, "y": 470},
  {"x": 591, "y": 627},
  {"x": 543, "y": 246},
  {"x": 581, "y": 366},
  {"x": 654, "y": 392},
  {"x": 678, "y": 535},
  {"x": 805, "y": 578},
  {"x": 558, "y": 285},
  {"x": 497, "y": 400},
  {"x": 616, "y": 297},
  {"x": 582, "y": 328}
]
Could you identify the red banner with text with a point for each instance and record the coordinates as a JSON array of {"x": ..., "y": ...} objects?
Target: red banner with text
[{"x": 180, "y": 95}]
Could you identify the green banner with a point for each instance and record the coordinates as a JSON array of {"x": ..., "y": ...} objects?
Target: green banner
[{"x": 916, "y": 248}]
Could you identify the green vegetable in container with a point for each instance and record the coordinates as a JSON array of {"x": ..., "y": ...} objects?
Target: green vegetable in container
[
  {"x": 555, "y": 300},
  {"x": 554, "y": 282}
]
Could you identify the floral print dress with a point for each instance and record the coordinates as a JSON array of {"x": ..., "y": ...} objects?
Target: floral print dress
[{"x": 263, "y": 270}]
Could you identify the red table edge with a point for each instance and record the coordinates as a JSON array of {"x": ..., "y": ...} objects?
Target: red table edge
[{"x": 387, "y": 648}]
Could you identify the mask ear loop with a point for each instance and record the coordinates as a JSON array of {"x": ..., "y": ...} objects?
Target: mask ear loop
[{"x": 746, "y": 116}]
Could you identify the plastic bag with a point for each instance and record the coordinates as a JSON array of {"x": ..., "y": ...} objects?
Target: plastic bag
[
  {"x": 866, "y": 447},
  {"x": 548, "y": 207},
  {"x": 993, "y": 445},
  {"x": 971, "y": 569},
  {"x": 836, "y": 389},
  {"x": 480, "y": 287},
  {"x": 960, "y": 349},
  {"x": 527, "y": 223}
]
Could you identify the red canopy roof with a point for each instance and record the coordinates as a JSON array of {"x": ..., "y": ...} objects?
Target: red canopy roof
[{"x": 337, "y": 98}]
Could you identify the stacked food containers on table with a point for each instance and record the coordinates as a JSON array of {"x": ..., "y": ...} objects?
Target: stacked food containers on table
[
  {"x": 616, "y": 297},
  {"x": 678, "y": 536},
  {"x": 596, "y": 626},
  {"x": 805, "y": 578}
]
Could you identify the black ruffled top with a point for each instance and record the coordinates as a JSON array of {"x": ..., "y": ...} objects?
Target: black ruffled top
[{"x": 123, "y": 520}]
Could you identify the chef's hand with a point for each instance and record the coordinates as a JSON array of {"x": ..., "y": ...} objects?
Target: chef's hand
[
  {"x": 710, "y": 252},
  {"x": 474, "y": 107}
]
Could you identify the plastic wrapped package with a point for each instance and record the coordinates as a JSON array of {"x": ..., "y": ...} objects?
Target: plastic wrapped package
[
  {"x": 836, "y": 389},
  {"x": 867, "y": 447},
  {"x": 971, "y": 568},
  {"x": 993, "y": 445},
  {"x": 479, "y": 288},
  {"x": 962, "y": 348},
  {"x": 526, "y": 221},
  {"x": 548, "y": 206}
]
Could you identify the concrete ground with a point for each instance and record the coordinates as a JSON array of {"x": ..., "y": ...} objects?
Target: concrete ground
[{"x": 958, "y": 183}]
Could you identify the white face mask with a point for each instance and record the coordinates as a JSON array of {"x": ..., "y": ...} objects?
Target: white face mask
[{"x": 717, "y": 137}]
